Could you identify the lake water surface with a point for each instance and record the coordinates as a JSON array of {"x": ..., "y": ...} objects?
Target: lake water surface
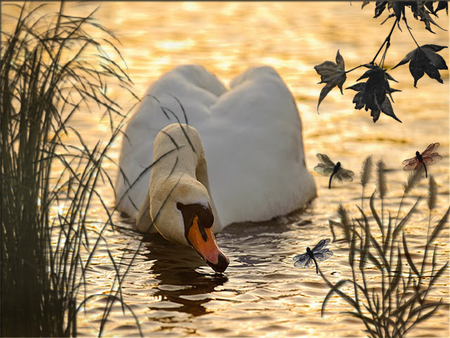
[{"x": 261, "y": 293}]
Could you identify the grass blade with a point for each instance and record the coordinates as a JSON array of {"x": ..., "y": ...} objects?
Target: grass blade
[
  {"x": 335, "y": 289},
  {"x": 408, "y": 257},
  {"x": 403, "y": 222},
  {"x": 439, "y": 227},
  {"x": 375, "y": 215}
]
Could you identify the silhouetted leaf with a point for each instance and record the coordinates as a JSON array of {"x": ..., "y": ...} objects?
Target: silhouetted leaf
[
  {"x": 420, "y": 11},
  {"x": 441, "y": 5},
  {"x": 364, "y": 4},
  {"x": 373, "y": 94},
  {"x": 333, "y": 74},
  {"x": 380, "y": 6},
  {"x": 425, "y": 60}
]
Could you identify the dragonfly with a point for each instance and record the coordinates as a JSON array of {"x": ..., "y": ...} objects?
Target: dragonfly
[
  {"x": 428, "y": 157},
  {"x": 327, "y": 167},
  {"x": 318, "y": 254}
]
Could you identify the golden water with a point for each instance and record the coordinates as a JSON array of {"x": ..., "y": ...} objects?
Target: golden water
[{"x": 261, "y": 293}]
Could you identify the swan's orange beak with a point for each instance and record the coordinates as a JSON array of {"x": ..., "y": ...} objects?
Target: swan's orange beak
[{"x": 204, "y": 242}]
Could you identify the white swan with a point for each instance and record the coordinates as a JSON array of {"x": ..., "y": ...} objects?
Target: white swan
[
  {"x": 178, "y": 199},
  {"x": 252, "y": 137}
]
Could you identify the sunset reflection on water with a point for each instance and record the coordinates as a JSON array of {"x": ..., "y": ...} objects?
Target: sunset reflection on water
[{"x": 261, "y": 293}]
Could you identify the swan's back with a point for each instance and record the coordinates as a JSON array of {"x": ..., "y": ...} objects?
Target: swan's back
[{"x": 252, "y": 136}]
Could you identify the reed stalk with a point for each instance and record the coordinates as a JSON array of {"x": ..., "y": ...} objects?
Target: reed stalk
[
  {"x": 51, "y": 69},
  {"x": 402, "y": 301}
]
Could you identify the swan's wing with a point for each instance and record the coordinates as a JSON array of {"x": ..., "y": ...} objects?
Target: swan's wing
[
  {"x": 324, "y": 159},
  {"x": 432, "y": 147},
  {"x": 256, "y": 136},
  {"x": 251, "y": 134},
  {"x": 181, "y": 95}
]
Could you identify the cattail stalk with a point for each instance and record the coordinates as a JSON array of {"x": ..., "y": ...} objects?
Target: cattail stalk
[{"x": 366, "y": 172}]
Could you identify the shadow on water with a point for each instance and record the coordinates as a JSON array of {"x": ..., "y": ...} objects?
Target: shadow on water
[{"x": 181, "y": 283}]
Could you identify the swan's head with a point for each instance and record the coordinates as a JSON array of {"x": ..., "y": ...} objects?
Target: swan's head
[
  {"x": 186, "y": 217},
  {"x": 198, "y": 222}
]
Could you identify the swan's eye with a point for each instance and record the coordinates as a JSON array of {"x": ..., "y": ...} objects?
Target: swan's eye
[{"x": 202, "y": 215}]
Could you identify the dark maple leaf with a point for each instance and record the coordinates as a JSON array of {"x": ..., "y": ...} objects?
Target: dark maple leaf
[
  {"x": 380, "y": 6},
  {"x": 373, "y": 94},
  {"x": 421, "y": 11},
  {"x": 441, "y": 5},
  {"x": 364, "y": 4},
  {"x": 425, "y": 60},
  {"x": 333, "y": 74}
]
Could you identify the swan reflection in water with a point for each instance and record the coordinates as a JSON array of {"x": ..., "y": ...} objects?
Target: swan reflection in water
[{"x": 176, "y": 267}]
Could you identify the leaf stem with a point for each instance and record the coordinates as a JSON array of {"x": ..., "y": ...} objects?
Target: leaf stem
[
  {"x": 409, "y": 30},
  {"x": 348, "y": 71},
  {"x": 387, "y": 40}
]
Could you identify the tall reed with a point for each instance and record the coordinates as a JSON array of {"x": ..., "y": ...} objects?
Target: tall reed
[
  {"x": 51, "y": 69},
  {"x": 400, "y": 301}
]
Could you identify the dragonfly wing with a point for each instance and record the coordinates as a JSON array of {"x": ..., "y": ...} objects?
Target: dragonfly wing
[
  {"x": 301, "y": 257},
  {"x": 305, "y": 264},
  {"x": 321, "y": 245},
  {"x": 432, "y": 147},
  {"x": 409, "y": 161},
  {"x": 432, "y": 159},
  {"x": 344, "y": 175},
  {"x": 349, "y": 172},
  {"x": 411, "y": 164},
  {"x": 323, "y": 170},
  {"x": 323, "y": 255},
  {"x": 309, "y": 262},
  {"x": 324, "y": 159}
]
